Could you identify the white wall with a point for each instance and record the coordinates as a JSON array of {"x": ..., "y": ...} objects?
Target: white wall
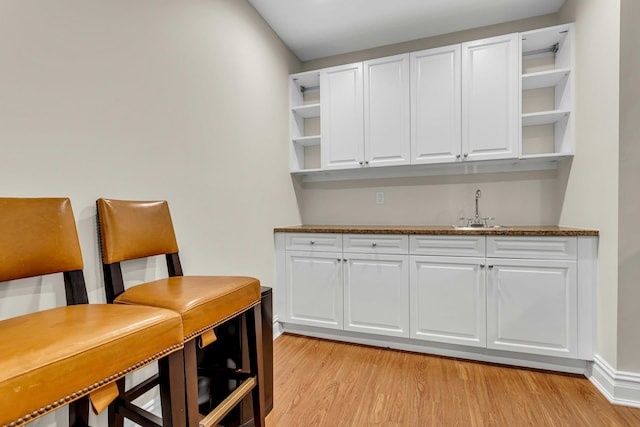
[
  {"x": 512, "y": 198},
  {"x": 591, "y": 196},
  {"x": 629, "y": 194},
  {"x": 148, "y": 99}
]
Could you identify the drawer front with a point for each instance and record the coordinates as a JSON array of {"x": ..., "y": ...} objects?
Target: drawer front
[
  {"x": 448, "y": 245},
  {"x": 532, "y": 247},
  {"x": 317, "y": 242},
  {"x": 376, "y": 243}
]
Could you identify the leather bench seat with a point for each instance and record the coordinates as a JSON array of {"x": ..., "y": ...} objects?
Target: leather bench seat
[
  {"x": 202, "y": 301},
  {"x": 48, "y": 358}
]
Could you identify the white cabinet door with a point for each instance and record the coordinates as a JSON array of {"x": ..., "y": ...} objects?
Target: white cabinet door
[
  {"x": 435, "y": 105},
  {"x": 532, "y": 306},
  {"x": 376, "y": 294},
  {"x": 314, "y": 289},
  {"x": 448, "y": 297},
  {"x": 341, "y": 112},
  {"x": 386, "y": 111},
  {"x": 490, "y": 98}
]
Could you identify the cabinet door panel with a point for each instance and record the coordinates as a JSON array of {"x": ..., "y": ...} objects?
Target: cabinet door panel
[
  {"x": 448, "y": 300},
  {"x": 386, "y": 111},
  {"x": 342, "y": 136},
  {"x": 490, "y": 98},
  {"x": 314, "y": 289},
  {"x": 435, "y": 105},
  {"x": 376, "y": 294},
  {"x": 532, "y": 307}
]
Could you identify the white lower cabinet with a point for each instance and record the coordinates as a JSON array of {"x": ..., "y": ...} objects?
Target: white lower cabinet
[
  {"x": 518, "y": 294},
  {"x": 314, "y": 289},
  {"x": 532, "y": 306},
  {"x": 376, "y": 294},
  {"x": 448, "y": 300}
]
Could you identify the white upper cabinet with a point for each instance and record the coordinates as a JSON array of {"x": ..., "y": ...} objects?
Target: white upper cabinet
[
  {"x": 341, "y": 110},
  {"x": 504, "y": 103},
  {"x": 435, "y": 105},
  {"x": 386, "y": 111},
  {"x": 490, "y": 93}
]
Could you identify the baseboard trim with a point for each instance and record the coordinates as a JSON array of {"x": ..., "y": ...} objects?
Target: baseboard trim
[
  {"x": 479, "y": 354},
  {"x": 619, "y": 387},
  {"x": 277, "y": 328}
]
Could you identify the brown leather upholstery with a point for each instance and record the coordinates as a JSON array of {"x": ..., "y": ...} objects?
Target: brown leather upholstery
[
  {"x": 133, "y": 230},
  {"x": 203, "y": 301},
  {"x": 51, "y": 357},
  {"x": 37, "y": 237}
]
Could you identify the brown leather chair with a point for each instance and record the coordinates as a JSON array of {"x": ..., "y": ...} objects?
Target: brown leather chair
[
  {"x": 135, "y": 229},
  {"x": 74, "y": 355}
]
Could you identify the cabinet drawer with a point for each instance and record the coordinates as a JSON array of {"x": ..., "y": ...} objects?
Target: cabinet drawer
[
  {"x": 448, "y": 245},
  {"x": 532, "y": 247},
  {"x": 376, "y": 243},
  {"x": 318, "y": 242}
]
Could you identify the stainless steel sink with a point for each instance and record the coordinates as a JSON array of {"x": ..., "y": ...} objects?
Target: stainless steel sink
[{"x": 487, "y": 227}]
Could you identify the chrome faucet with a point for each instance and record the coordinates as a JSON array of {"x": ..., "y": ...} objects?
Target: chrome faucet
[{"x": 477, "y": 221}]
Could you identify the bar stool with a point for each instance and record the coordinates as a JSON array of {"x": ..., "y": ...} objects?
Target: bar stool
[
  {"x": 74, "y": 355},
  {"x": 139, "y": 229}
]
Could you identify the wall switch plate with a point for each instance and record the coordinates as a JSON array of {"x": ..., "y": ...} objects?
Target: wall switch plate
[{"x": 380, "y": 198}]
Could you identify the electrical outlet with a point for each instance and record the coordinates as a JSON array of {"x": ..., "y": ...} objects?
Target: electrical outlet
[{"x": 379, "y": 198}]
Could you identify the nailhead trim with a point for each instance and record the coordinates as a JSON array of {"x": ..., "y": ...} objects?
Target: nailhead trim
[
  {"x": 231, "y": 316},
  {"x": 78, "y": 394}
]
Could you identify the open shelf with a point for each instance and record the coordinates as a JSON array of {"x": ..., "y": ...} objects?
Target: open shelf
[
  {"x": 304, "y": 101},
  {"x": 543, "y": 117},
  {"x": 539, "y": 42},
  {"x": 307, "y": 111},
  {"x": 307, "y": 81},
  {"x": 307, "y": 141},
  {"x": 544, "y": 79},
  {"x": 547, "y": 99}
]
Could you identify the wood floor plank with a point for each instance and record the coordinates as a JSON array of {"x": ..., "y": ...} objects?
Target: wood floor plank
[{"x": 326, "y": 383}]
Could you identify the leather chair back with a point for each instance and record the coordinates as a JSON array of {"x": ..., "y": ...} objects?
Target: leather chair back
[
  {"x": 133, "y": 230},
  {"x": 52, "y": 247}
]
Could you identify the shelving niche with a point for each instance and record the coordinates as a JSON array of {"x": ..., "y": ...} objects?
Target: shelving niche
[
  {"x": 304, "y": 99},
  {"x": 547, "y": 65}
]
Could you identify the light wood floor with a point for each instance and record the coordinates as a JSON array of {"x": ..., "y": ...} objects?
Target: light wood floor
[{"x": 325, "y": 383}]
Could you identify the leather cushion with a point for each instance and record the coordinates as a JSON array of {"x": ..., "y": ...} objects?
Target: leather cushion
[
  {"x": 203, "y": 301},
  {"x": 47, "y": 356},
  {"x": 132, "y": 229},
  {"x": 38, "y": 237}
]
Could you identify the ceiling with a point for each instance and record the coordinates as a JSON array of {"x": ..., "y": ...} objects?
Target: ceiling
[{"x": 320, "y": 28}]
